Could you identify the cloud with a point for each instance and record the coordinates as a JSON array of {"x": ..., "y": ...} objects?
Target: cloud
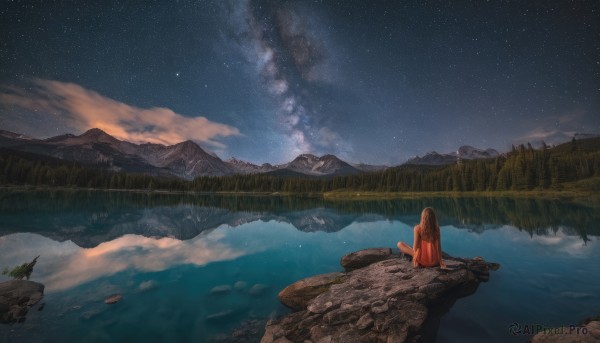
[
  {"x": 547, "y": 135},
  {"x": 65, "y": 265},
  {"x": 83, "y": 109},
  {"x": 562, "y": 241},
  {"x": 556, "y": 129}
]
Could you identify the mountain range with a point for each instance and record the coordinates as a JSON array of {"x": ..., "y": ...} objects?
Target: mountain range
[
  {"x": 465, "y": 152},
  {"x": 188, "y": 160}
]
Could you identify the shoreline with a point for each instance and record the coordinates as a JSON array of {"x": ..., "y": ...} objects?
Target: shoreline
[
  {"x": 343, "y": 195},
  {"x": 543, "y": 194},
  {"x": 153, "y": 191}
]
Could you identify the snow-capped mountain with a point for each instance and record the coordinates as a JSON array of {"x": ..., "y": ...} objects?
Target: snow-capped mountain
[
  {"x": 433, "y": 159},
  {"x": 465, "y": 152},
  {"x": 186, "y": 160},
  {"x": 9, "y": 139},
  {"x": 12, "y": 135},
  {"x": 304, "y": 164},
  {"x": 324, "y": 165},
  {"x": 243, "y": 167}
]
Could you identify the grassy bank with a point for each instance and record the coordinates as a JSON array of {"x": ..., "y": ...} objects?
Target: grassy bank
[
  {"x": 581, "y": 191},
  {"x": 545, "y": 194},
  {"x": 22, "y": 188}
]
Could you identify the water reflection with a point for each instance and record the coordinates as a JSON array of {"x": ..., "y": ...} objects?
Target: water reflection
[
  {"x": 65, "y": 265},
  {"x": 168, "y": 253},
  {"x": 90, "y": 218}
]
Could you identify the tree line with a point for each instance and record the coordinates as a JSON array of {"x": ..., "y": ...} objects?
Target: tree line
[
  {"x": 533, "y": 215},
  {"x": 523, "y": 168}
]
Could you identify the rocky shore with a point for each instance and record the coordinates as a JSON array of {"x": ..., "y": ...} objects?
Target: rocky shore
[
  {"x": 16, "y": 297},
  {"x": 586, "y": 332},
  {"x": 379, "y": 298}
]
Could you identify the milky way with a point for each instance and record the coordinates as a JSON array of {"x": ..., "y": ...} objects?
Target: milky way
[
  {"x": 375, "y": 82},
  {"x": 290, "y": 57}
]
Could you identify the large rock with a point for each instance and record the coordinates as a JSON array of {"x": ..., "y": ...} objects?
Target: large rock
[
  {"x": 16, "y": 297},
  {"x": 297, "y": 295},
  {"x": 365, "y": 257},
  {"x": 385, "y": 301}
]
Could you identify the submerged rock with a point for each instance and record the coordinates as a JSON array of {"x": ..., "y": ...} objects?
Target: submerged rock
[
  {"x": 222, "y": 289},
  {"x": 147, "y": 285},
  {"x": 240, "y": 286},
  {"x": 385, "y": 300},
  {"x": 220, "y": 315},
  {"x": 113, "y": 299},
  {"x": 16, "y": 297},
  {"x": 258, "y": 289}
]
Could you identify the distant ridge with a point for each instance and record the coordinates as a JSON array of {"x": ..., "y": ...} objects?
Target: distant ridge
[
  {"x": 243, "y": 167},
  {"x": 325, "y": 165},
  {"x": 465, "y": 152},
  {"x": 185, "y": 160},
  {"x": 188, "y": 160}
]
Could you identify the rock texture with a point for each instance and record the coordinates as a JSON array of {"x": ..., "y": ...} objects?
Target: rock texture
[
  {"x": 386, "y": 300},
  {"x": 587, "y": 332},
  {"x": 364, "y": 258},
  {"x": 16, "y": 297}
]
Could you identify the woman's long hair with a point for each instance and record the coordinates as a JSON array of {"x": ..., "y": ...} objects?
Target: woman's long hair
[{"x": 430, "y": 229}]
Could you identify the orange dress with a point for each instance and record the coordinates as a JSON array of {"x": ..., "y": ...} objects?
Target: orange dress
[{"x": 427, "y": 254}]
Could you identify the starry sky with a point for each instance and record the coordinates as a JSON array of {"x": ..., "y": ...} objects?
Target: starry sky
[{"x": 370, "y": 81}]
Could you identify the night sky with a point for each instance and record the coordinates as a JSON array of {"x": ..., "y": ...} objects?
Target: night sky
[{"x": 370, "y": 81}]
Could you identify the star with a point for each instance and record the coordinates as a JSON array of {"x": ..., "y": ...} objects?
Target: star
[{"x": 306, "y": 72}]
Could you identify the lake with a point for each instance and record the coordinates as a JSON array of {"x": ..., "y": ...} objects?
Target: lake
[{"x": 208, "y": 268}]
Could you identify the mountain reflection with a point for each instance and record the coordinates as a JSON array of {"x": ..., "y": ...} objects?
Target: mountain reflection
[{"x": 91, "y": 218}]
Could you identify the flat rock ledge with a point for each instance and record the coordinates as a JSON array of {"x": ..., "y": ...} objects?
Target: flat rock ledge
[
  {"x": 379, "y": 298},
  {"x": 16, "y": 297}
]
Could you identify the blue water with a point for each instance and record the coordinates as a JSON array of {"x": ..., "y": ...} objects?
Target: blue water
[{"x": 166, "y": 254}]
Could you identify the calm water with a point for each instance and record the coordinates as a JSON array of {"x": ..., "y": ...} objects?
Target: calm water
[{"x": 166, "y": 254}]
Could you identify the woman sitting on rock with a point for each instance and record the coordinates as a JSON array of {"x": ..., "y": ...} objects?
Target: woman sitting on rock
[{"x": 427, "y": 250}]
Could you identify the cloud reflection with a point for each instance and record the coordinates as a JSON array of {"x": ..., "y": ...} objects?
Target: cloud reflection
[
  {"x": 64, "y": 265},
  {"x": 560, "y": 241}
]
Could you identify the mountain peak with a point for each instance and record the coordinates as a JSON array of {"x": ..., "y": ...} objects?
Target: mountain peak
[
  {"x": 237, "y": 162},
  {"x": 329, "y": 157},
  {"x": 465, "y": 152},
  {"x": 190, "y": 147},
  {"x": 244, "y": 167},
  {"x": 324, "y": 165},
  {"x": 307, "y": 156},
  {"x": 14, "y": 135},
  {"x": 96, "y": 134},
  {"x": 189, "y": 142}
]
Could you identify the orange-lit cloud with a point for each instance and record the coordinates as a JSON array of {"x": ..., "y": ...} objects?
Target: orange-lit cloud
[
  {"x": 84, "y": 109},
  {"x": 65, "y": 265}
]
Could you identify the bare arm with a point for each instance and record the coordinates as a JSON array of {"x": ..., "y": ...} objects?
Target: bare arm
[
  {"x": 416, "y": 246},
  {"x": 442, "y": 264}
]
